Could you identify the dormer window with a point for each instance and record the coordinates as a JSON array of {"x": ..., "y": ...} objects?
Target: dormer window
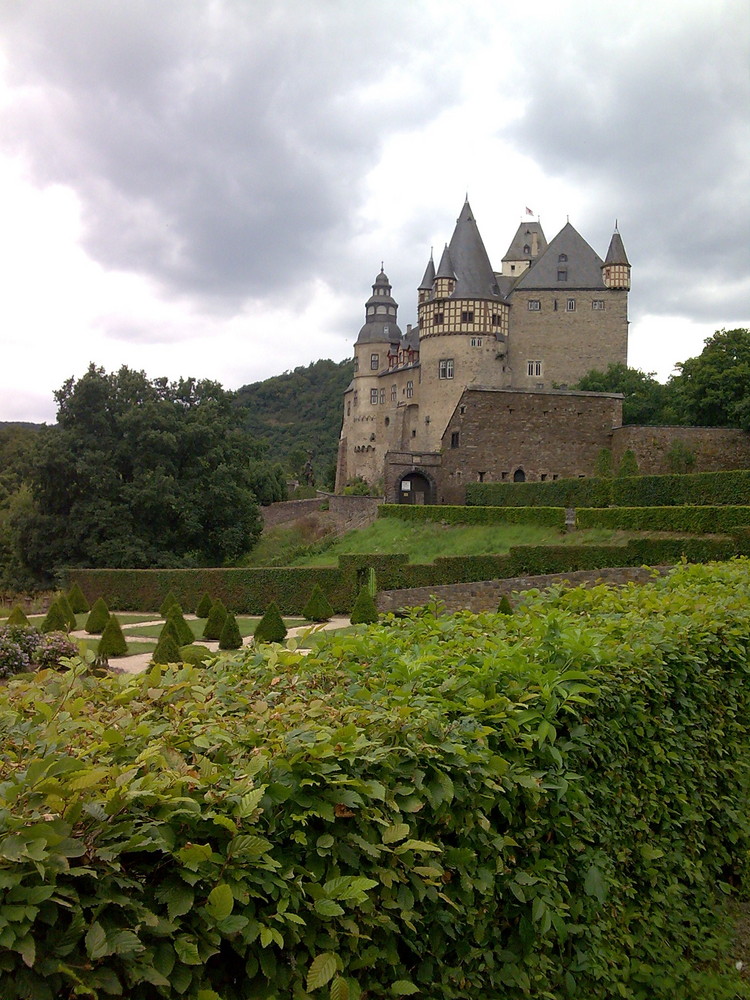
[
  {"x": 526, "y": 248},
  {"x": 562, "y": 274},
  {"x": 562, "y": 259}
]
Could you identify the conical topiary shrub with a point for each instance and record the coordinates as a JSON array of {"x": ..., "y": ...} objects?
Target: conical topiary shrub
[
  {"x": 167, "y": 603},
  {"x": 98, "y": 617},
  {"x": 184, "y": 632},
  {"x": 364, "y": 611},
  {"x": 271, "y": 627},
  {"x": 17, "y": 617},
  {"x": 167, "y": 649},
  {"x": 216, "y": 618},
  {"x": 504, "y": 607},
  {"x": 195, "y": 654},
  {"x": 230, "y": 637},
  {"x": 204, "y": 607},
  {"x": 66, "y": 609},
  {"x": 112, "y": 642},
  {"x": 54, "y": 620},
  {"x": 77, "y": 600},
  {"x": 317, "y": 608}
]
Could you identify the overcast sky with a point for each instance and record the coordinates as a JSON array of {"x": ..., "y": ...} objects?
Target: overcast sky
[{"x": 208, "y": 187}]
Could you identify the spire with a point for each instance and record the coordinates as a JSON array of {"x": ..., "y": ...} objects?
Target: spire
[
  {"x": 616, "y": 253},
  {"x": 429, "y": 276},
  {"x": 471, "y": 264},
  {"x": 445, "y": 268},
  {"x": 381, "y": 311}
]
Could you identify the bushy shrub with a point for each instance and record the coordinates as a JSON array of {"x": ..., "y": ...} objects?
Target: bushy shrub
[
  {"x": 215, "y": 621},
  {"x": 18, "y": 616},
  {"x": 628, "y": 464},
  {"x": 98, "y": 617},
  {"x": 504, "y": 607},
  {"x": 67, "y": 610},
  {"x": 27, "y": 637},
  {"x": 230, "y": 637},
  {"x": 52, "y": 649},
  {"x": 55, "y": 620},
  {"x": 77, "y": 600},
  {"x": 318, "y": 608},
  {"x": 544, "y": 517},
  {"x": 271, "y": 627},
  {"x": 12, "y": 658},
  {"x": 196, "y": 654},
  {"x": 112, "y": 642},
  {"x": 204, "y": 607},
  {"x": 167, "y": 603},
  {"x": 364, "y": 611},
  {"x": 183, "y": 630},
  {"x": 167, "y": 648}
]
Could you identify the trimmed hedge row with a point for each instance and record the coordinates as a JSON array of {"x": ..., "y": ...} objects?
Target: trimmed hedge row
[
  {"x": 700, "y": 488},
  {"x": 545, "y": 517},
  {"x": 539, "y": 804},
  {"x": 697, "y": 519}
]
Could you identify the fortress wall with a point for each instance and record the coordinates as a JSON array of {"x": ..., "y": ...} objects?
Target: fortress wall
[{"x": 716, "y": 449}]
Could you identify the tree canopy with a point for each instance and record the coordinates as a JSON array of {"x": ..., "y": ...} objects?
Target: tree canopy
[
  {"x": 646, "y": 400},
  {"x": 140, "y": 472},
  {"x": 713, "y": 389}
]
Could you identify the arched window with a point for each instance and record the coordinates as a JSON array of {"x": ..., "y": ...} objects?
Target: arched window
[
  {"x": 519, "y": 476},
  {"x": 527, "y": 248},
  {"x": 562, "y": 258}
]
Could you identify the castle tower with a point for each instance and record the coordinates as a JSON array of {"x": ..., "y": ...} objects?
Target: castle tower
[
  {"x": 616, "y": 266},
  {"x": 426, "y": 285},
  {"x": 528, "y": 243}
]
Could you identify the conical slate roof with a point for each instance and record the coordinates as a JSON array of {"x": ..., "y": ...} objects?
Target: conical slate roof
[
  {"x": 569, "y": 253},
  {"x": 474, "y": 275},
  {"x": 445, "y": 267},
  {"x": 616, "y": 253},
  {"x": 380, "y": 327},
  {"x": 524, "y": 238},
  {"x": 429, "y": 276}
]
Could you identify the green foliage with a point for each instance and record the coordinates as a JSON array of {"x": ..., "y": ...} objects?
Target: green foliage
[
  {"x": 67, "y": 610},
  {"x": 217, "y": 616},
  {"x": 646, "y": 400},
  {"x": 267, "y": 481},
  {"x": 544, "y": 798},
  {"x": 230, "y": 637},
  {"x": 680, "y": 458},
  {"x": 195, "y": 654},
  {"x": 318, "y": 608},
  {"x": 364, "y": 611},
  {"x": 548, "y": 517},
  {"x": 504, "y": 607},
  {"x": 203, "y": 607},
  {"x": 603, "y": 467},
  {"x": 628, "y": 464},
  {"x": 17, "y": 616},
  {"x": 55, "y": 620},
  {"x": 271, "y": 627},
  {"x": 555, "y": 493},
  {"x": 182, "y": 629},
  {"x": 167, "y": 648},
  {"x": 701, "y": 520},
  {"x": 358, "y": 487},
  {"x": 167, "y": 603},
  {"x": 112, "y": 642},
  {"x": 77, "y": 600},
  {"x": 713, "y": 389},
  {"x": 98, "y": 617}
]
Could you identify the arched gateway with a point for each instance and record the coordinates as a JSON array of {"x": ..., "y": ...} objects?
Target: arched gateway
[{"x": 415, "y": 488}]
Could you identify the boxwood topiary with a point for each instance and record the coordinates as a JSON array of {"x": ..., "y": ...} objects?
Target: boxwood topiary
[
  {"x": 98, "y": 617},
  {"x": 215, "y": 622},
  {"x": 364, "y": 611},
  {"x": 317, "y": 608},
  {"x": 204, "y": 607},
  {"x": 66, "y": 609},
  {"x": 167, "y": 603},
  {"x": 77, "y": 600},
  {"x": 167, "y": 648},
  {"x": 230, "y": 637},
  {"x": 504, "y": 607},
  {"x": 195, "y": 654},
  {"x": 55, "y": 619},
  {"x": 183, "y": 630},
  {"x": 271, "y": 627},
  {"x": 17, "y": 617},
  {"x": 112, "y": 642}
]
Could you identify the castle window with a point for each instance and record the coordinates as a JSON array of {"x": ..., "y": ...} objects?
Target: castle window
[
  {"x": 394, "y": 392},
  {"x": 512, "y": 268},
  {"x": 445, "y": 368},
  {"x": 374, "y": 362},
  {"x": 382, "y": 396},
  {"x": 535, "y": 305},
  {"x": 387, "y": 421},
  {"x": 374, "y": 397},
  {"x": 597, "y": 304},
  {"x": 467, "y": 316},
  {"x": 356, "y": 396},
  {"x": 409, "y": 389},
  {"x": 356, "y": 363},
  {"x": 348, "y": 409},
  {"x": 570, "y": 305},
  {"x": 562, "y": 258},
  {"x": 554, "y": 475},
  {"x": 503, "y": 475},
  {"x": 454, "y": 439},
  {"x": 534, "y": 368},
  {"x": 562, "y": 274},
  {"x": 438, "y": 318},
  {"x": 527, "y": 248},
  {"x": 495, "y": 319},
  {"x": 476, "y": 341}
]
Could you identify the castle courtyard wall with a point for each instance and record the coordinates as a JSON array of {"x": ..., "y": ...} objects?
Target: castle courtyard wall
[{"x": 715, "y": 449}]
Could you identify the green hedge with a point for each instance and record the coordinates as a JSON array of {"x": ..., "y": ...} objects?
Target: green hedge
[
  {"x": 534, "y": 805},
  {"x": 701, "y": 520},
  {"x": 546, "y": 517},
  {"x": 700, "y": 488}
]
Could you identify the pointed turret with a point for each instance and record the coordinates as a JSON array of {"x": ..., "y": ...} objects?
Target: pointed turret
[
  {"x": 471, "y": 264},
  {"x": 426, "y": 285},
  {"x": 616, "y": 266},
  {"x": 445, "y": 277},
  {"x": 380, "y": 315},
  {"x": 528, "y": 243}
]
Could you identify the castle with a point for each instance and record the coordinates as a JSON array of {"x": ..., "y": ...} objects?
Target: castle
[{"x": 478, "y": 389}]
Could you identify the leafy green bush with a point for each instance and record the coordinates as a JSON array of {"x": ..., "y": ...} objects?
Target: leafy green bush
[
  {"x": 195, "y": 654},
  {"x": 167, "y": 603},
  {"x": 112, "y": 642},
  {"x": 628, "y": 464},
  {"x": 215, "y": 621},
  {"x": 230, "y": 637},
  {"x": 52, "y": 649},
  {"x": 318, "y": 608},
  {"x": 67, "y": 610},
  {"x": 98, "y": 617},
  {"x": 203, "y": 607},
  {"x": 167, "y": 647},
  {"x": 701, "y": 520},
  {"x": 17, "y": 616},
  {"x": 470, "y": 806},
  {"x": 77, "y": 600},
  {"x": 182, "y": 629},
  {"x": 55, "y": 620},
  {"x": 271, "y": 627},
  {"x": 504, "y": 607},
  {"x": 364, "y": 611},
  {"x": 545, "y": 517}
]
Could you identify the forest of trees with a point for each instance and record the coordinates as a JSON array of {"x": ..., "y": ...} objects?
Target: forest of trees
[{"x": 140, "y": 472}]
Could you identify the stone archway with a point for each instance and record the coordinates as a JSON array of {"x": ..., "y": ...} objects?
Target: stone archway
[
  {"x": 519, "y": 476},
  {"x": 416, "y": 488}
]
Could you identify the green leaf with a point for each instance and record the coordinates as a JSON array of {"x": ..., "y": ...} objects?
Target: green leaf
[
  {"x": 328, "y": 908},
  {"x": 594, "y": 884},
  {"x": 339, "y": 989},
  {"x": 249, "y": 803},
  {"x": 179, "y": 898},
  {"x": 187, "y": 951},
  {"x": 321, "y": 971},
  {"x": 325, "y": 841},
  {"x": 27, "y": 949},
  {"x": 418, "y": 845},
  {"x": 347, "y": 886},
  {"x": 396, "y": 832},
  {"x": 96, "y": 942},
  {"x": 220, "y": 901},
  {"x": 403, "y": 988}
]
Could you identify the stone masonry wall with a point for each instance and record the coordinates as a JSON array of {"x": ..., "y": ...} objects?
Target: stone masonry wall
[
  {"x": 716, "y": 449},
  {"x": 290, "y": 510}
]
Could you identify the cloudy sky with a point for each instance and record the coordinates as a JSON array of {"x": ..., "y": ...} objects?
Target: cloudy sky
[{"x": 207, "y": 187}]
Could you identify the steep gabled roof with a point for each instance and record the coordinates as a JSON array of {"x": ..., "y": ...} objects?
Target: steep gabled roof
[
  {"x": 474, "y": 275},
  {"x": 568, "y": 252},
  {"x": 524, "y": 237}
]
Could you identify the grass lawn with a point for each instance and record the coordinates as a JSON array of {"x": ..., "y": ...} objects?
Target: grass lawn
[{"x": 247, "y": 625}]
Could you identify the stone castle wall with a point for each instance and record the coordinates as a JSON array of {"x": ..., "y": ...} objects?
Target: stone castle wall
[{"x": 716, "y": 449}]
